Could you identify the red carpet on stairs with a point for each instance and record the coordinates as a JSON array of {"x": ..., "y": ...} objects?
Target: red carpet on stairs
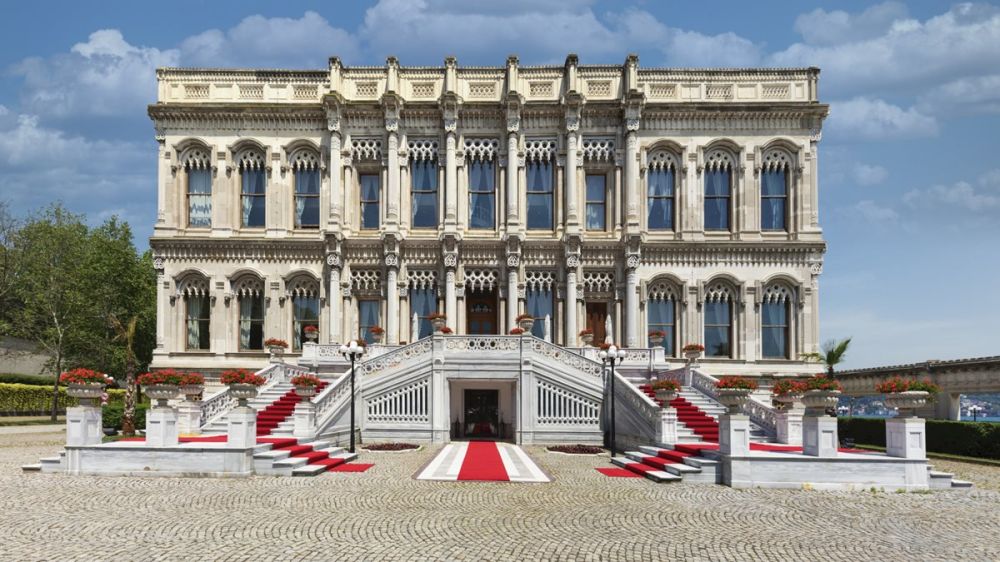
[
  {"x": 616, "y": 472},
  {"x": 483, "y": 462},
  {"x": 280, "y": 410},
  {"x": 352, "y": 467},
  {"x": 703, "y": 425}
]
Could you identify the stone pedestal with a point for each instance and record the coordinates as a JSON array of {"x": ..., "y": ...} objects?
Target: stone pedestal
[
  {"x": 668, "y": 425},
  {"x": 161, "y": 427},
  {"x": 189, "y": 418},
  {"x": 305, "y": 420},
  {"x": 734, "y": 435},
  {"x": 906, "y": 438},
  {"x": 83, "y": 426},
  {"x": 242, "y": 431},
  {"x": 789, "y": 425},
  {"x": 819, "y": 436}
]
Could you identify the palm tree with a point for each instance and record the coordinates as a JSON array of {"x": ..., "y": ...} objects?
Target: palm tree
[
  {"x": 125, "y": 333},
  {"x": 833, "y": 354}
]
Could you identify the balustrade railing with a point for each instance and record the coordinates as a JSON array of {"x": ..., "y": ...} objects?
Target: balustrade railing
[
  {"x": 761, "y": 414},
  {"x": 380, "y": 363},
  {"x": 220, "y": 403},
  {"x": 482, "y": 343},
  {"x": 327, "y": 400},
  {"x": 566, "y": 357}
]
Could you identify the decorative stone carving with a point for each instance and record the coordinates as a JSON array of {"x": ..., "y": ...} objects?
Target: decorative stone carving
[
  {"x": 777, "y": 159},
  {"x": 600, "y": 149},
  {"x": 366, "y": 280},
  {"x": 302, "y": 286},
  {"x": 251, "y": 159},
  {"x": 573, "y": 261},
  {"x": 662, "y": 291},
  {"x": 423, "y": 149},
  {"x": 451, "y": 260},
  {"x": 248, "y": 285},
  {"x": 778, "y": 293},
  {"x": 662, "y": 159},
  {"x": 333, "y": 119},
  {"x": 542, "y": 150},
  {"x": 392, "y": 260},
  {"x": 481, "y": 279},
  {"x": 539, "y": 280},
  {"x": 422, "y": 279},
  {"x": 599, "y": 281},
  {"x": 158, "y": 264},
  {"x": 366, "y": 148},
  {"x": 333, "y": 259},
  {"x": 481, "y": 149},
  {"x": 632, "y": 261},
  {"x": 304, "y": 158},
  {"x": 719, "y": 159},
  {"x": 719, "y": 292},
  {"x": 513, "y": 260}
]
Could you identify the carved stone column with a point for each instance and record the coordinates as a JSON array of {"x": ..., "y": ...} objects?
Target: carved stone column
[
  {"x": 631, "y": 300},
  {"x": 569, "y": 309},
  {"x": 392, "y": 191},
  {"x": 161, "y": 180},
  {"x": 633, "y": 111},
  {"x": 336, "y": 190},
  {"x": 161, "y": 304},
  {"x": 450, "y": 298},
  {"x": 333, "y": 262},
  {"x": 392, "y": 299},
  {"x": 572, "y": 217},
  {"x": 451, "y": 181},
  {"x": 512, "y": 187},
  {"x": 513, "y": 261}
]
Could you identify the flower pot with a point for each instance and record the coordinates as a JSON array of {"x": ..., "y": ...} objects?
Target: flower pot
[
  {"x": 788, "y": 401},
  {"x": 243, "y": 392},
  {"x": 655, "y": 341},
  {"x": 667, "y": 396},
  {"x": 192, "y": 391},
  {"x": 88, "y": 394},
  {"x": 305, "y": 392},
  {"x": 733, "y": 398},
  {"x": 312, "y": 336},
  {"x": 377, "y": 338},
  {"x": 438, "y": 323},
  {"x": 907, "y": 402},
  {"x": 276, "y": 350},
  {"x": 161, "y": 393},
  {"x": 587, "y": 339},
  {"x": 817, "y": 402},
  {"x": 526, "y": 324},
  {"x": 692, "y": 355}
]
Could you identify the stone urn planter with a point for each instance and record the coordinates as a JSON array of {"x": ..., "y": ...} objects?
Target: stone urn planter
[
  {"x": 733, "y": 398},
  {"x": 312, "y": 335},
  {"x": 667, "y": 396},
  {"x": 377, "y": 337},
  {"x": 907, "y": 402},
  {"x": 526, "y": 324},
  {"x": 276, "y": 350},
  {"x": 305, "y": 392},
  {"x": 587, "y": 339},
  {"x": 438, "y": 323},
  {"x": 817, "y": 402},
  {"x": 86, "y": 394},
  {"x": 162, "y": 393},
  {"x": 692, "y": 355},
  {"x": 655, "y": 341},
  {"x": 243, "y": 392},
  {"x": 787, "y": 401},
  {"x": 192, "y": 391}
]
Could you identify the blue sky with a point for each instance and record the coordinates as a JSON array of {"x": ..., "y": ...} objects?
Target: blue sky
[{"x": 910, "y": 178}]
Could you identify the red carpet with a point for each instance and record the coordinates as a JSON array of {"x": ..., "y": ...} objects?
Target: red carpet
[
  {"x": 618, "y": 473},
  {"x": 482, "y": 462},
  {"x": 354, "y": 467}
]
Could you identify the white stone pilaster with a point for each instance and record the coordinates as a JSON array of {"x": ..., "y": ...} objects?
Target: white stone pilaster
[
  {"x": 451, "y": 181},
  {"x": 189, "y": 417},
  {"x": 83, "y": 426},
  {"x": 242, "y": 430},
  {"x": 668, "y": 425},
  {"x": 819, "y": 436},
  {"x": 512, "y": 183},
  {"x": 392, "y": 300},
  {"x": 512, "y": 298},
  {"x": 734, "y": 435},
  {"x": 631, "y": 303},
  {"x": 335, "y": 174},
  {"x": 906, "y": 438},
  {"x": 305, "y": 420},
  {"x": 632, "y": 179},
  {"x": 569, "y": 310},
  {"x": 789, "y": 426},
  {"x": 333, "y": 262},
  {"x": 392, "y": 193},
  {"x": 161, "y": 427},
  {"x": 572, "y": 216},
  {"x": 450, "y": 299}
]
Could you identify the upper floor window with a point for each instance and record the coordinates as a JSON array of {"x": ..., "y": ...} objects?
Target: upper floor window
[
  {"x": 253, "y": 192},
  {"x": 773, "y": 199},
  {"x": 370, "y": 201},
  {"x": 199, "y": 194},
  {"x": 424, "y": 193},
  {"x": 539, "y": 303},
  {"x": 597, "y": 202},
  {"x": 660, "y": 198},
  {"x": 717, "y": 199},
  {"x": 482, "y": 194},
  {"x": 540, "y": 195},
  {"x": 368, "y": 317},
  {"x": 307, "y": 198},
  {"x": 251, "y": 321},
  {"x": 305, "y": 312}
]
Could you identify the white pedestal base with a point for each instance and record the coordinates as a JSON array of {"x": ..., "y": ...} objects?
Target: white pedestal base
[
  {"x": 906, "y": 438},
  {"x": 83, "y": 426},
  {"x": 668, "y": 425},
  {"x": 734, "y": 435},
  {"x": 242, "y": 432},
  {"x": 789, "y": 425},
  {"x": 819, "y": 436},
  {"x": 305, "y": 420},
  {"x": 189, "y": 418},
  {"x": 161, "y": 427}
]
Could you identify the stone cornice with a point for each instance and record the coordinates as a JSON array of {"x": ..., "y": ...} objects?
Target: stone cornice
[
  {"x": 199, "y": 117},
  {"x": 927, "y": 367},
  {"x": 211, "y": 249}
]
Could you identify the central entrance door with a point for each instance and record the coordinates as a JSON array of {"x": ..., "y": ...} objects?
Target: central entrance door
[
  {"x": 597, "y": 314},
  {"x": 481, "y": 312},
  {"x": 482, "y": 413}
]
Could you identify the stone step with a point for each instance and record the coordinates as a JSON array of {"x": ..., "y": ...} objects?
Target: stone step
[
  {"x": 960, "y": 483},
  {"x": 648, "y": 472},
  {"x": 680, "y": 469},
  {"x": 31, "y": 468}
]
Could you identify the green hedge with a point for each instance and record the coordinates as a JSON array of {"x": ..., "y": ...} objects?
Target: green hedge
[
  {"x": 35, "y": 380},
  {"x": 970, "y": 439},
  {"x": 114, "y": 413},
  {"x": 28, "y": 400}
]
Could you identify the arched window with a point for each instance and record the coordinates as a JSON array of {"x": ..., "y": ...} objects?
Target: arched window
[
  {"x": 661, "y": 175},
  {"x": 540, "y": 175},
  {"x": 193, "y": 289},
  {"x": 304, "y": 293},
  {"x": 718, "y": 314},
  {"x": 305, "y": 166},
  {"x": 424, "y": 183},
  {"x": 198, "y": 169},
  {"x": 661, "y": 307},
  {"x": 775, "y": 321},
  {"x": 718, "y": 189},
  {"x": 482, "y": 182},
  {"x": 774, "y": 174},
  {"x": 249, "y": 292},
  {"x": 423, "y": 300},
  {"x": 539, "y": 300},
  {"x": 253, "y": 187}
]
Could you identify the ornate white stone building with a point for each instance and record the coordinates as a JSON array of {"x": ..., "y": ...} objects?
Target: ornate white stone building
[{"x": 681, "y": 200}]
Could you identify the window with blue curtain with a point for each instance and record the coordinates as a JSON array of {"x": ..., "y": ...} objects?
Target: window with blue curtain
[
  {"x": 199, "y": 197},
  {"x": 660, "y": 199},
  {"x": 424, "y": 193},
  {"x": 423, "y": 303},
  {"x": 482, "y": 194},
  {"x": 251, "y": 322},
  {"x": 662, "y": 317},
  {"x": 774, "y": 325},
  {"x": 717, "y": 199},
  {"x": 198, "y": 315},
  {"x": 540, "y": 195},
  {"x": 597, "y": 202},
  {"x": 539, "y": 303},
  {"x": 773, "y": 199},
  {"x": 369, "y": 312},
  {"x": 254, "y": 193},
  {"x": 305, "y": 312},
  {"x": 369, "y": 201},
  {"x": 718, "y": 328},
  {"x": 307, "y": 198}
]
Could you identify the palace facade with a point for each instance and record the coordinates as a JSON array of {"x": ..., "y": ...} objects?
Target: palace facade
[{"x": 608, "y": 197}]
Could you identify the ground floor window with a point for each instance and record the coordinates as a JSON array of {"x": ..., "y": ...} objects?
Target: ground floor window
[
  {"x": 774, "y": 325},
  {"x": 368, "y": 316},
  {"x": 423, "y": 303},
  {"x": 251, "y": 323},
  {"x": 305, "y": 312},
  {"x": 662, "y": 318},
  {"x": 197, "y": 321},
  {"x": 718, "y": 329},
  {"x": 539, "y": 303}
]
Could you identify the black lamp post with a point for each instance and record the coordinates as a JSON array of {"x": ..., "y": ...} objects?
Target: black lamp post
[
  {"x": 608, "y": 357},
  {"x": 353, "y": 352}
]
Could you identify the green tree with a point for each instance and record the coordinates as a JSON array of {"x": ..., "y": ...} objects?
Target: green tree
[
  {"x": 8, "y": 266},
  {"x": 833, "y": 354}
]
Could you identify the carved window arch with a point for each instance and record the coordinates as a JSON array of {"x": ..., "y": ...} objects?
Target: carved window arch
[
  {"x": 775, "y": 185},
  {"x": 306, "y": 165},
  {"x": 250, "y": 302},
  {"x": 661, "y": 189},
  {"x": 720, "y": 164},
  {"x": 481, "y": 280},
  {"x": 251, "y": 163},
  {"x": 662, "y": 314},
  {"x": 719, "y": 313},
  {"x": 777, "y": 320},
  {"x": 196, "y": 161},
  {"x": 304, "y": 293},
  {"x": 193, "y": 288}
]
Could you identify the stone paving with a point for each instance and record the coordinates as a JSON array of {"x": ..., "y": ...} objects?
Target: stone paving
[{"x": 384, "y": 514}]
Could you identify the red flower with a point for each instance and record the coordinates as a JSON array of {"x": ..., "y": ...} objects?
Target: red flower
[
  {"x": 305, "y": 380},
  {"x": 242, "y": 376},
  {"x": 736, "y": 383},
  {"x": 166, "y": 376},
  {"x": 83, "y": 376},
  {"x": 516, "y": 331},
  {"x": 275, "y": 342}
]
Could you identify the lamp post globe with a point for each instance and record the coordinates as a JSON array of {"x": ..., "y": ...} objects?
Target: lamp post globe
[{"x": 352, "y": 351}]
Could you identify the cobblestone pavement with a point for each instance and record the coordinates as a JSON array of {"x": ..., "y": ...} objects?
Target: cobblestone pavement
[{"x": 384, "y": 514}]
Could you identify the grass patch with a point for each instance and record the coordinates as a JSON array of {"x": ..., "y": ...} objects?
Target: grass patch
[
  {"x": 19, "y": 421},
  {"x": 942, "y": 456}
]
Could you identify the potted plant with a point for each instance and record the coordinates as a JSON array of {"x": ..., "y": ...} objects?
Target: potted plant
[
  {"x": 821, "y": 394},
  {"x": 656, "y": 338},
  {"x": 526, "y": 322},
  {"x": 311, "y": 332},
  {"x": 587, "y": 337},
  {"x": 693, "y": 351},
  {"x": 438, "y": 320},
  {"x": 733, "y": 392},
  {"x": 85, "y": 385},
  {"x": 665, "y": 390},
  {"x": 276, "y": 346},
  {"x": 906, "y": 395},
  {"x": 377, "y": 333},
  {"x": 242, "y": 384},
  {"x": 787, "y": 391},
  {"x": 161, "y": 386},
  {"x": 306, "y": 385},
  {"x": 446, "y": 330},
  {"x": 516, "y": 331},
  {"x": 192, "y": 385}
]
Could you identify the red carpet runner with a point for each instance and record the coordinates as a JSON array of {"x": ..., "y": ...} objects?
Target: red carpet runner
[{"x": 483, "y": 462}]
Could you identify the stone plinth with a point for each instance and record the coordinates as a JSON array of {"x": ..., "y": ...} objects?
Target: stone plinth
[
  {"x": 906, "y": 438},
  {"x": 161, "y": 427},
  {"x": 819, "y": 436},
  {"x": 734, "y": 435},
  {"x": 668, "y": 425},
  {"x": 83, "y": 426},
  {"x": 189, "y": 417},
  {"x": 305, "y": 420},
  {"x": 242, "y": 432},
  {"x": 789, "y": 426}
]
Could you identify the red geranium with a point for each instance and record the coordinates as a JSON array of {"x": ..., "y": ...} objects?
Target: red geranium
[
  {"x": 693, "y": 347},
  {"x": 657, "y": 334},
  {"x": 242, "y": 376},
  {"x": 899, "y": 384},
  {"x": 275, "y": 342},
  {"x": 785, "y": 387},
  {"x": 310, "y": 329},
  {"x": 516, "y": 331},
  {"x": 736, "y": 383},
  {"x": 666, "y": 384},
  {"x": 166, "y": 376},
  {"x": 822, "y": 382},
  {"x": 376, "y": 330},
  {"x": 305, "y": 380},
  {"x": 436, "y": 316},
  {"x": 84, "y": 376},
  {"x": 586, "y": 332},
  {"x": 524, "y": 317},
  {"x": 192, "y": 378},
  {"x": 446, "y": 330}
]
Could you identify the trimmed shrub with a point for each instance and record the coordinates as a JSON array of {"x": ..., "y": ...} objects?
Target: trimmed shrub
[
  {"x": 28, "y": 400},
  {"x": 34, "y": 380},
  {"x": 113, "y": 414},
  {"x": 970, "y": 439}
]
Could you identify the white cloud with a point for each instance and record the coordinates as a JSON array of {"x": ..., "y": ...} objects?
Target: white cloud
[
  {"x": 866, "y": 174},
  {"x": 977, "y": 94},
  {"x": 981, "y": 196},
  {"x": 820, "y": 27},
  {"x": 872, "y": 212},
  {"x": 876, "y": 119}
]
